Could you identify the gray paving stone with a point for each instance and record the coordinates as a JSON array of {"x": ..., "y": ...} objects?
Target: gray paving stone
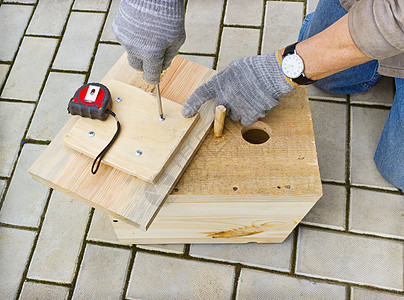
[
  {"x": 3, "y": 73},
  {"x": 2, "y": 187},
  {"x": 49, "y": 17},
  {"x": 15, "y": 248},
  {"x": 178, "y": 279},
  {"x": 315, "y": 93},
  {"x": 329, "y": 122},
  {"x": 24, "y": 1},
  {"x": 51, "y": 112},
  {"x": 25, "y": 197},
  {"x": 243, "y": 12},
  {"x": 358, "y": 293},
  {"x": 272, "y": 256},
  {"x": 102, "y": 273},
  {"x": 237, "y": 43},
  {"x": 255, "y": 284},
  {"x": 206, "y": 61},
  {"x": 43, "y": 291},
  {"x": 101, "y": 229},
  {"x": 11, "y": 31},
  {"x": 107, "y": 33},
  {"x": 329, "y": 211},
  {"x": 106, "y": 57},
  {"x": 377, "y": 213},
  {"x": 202, "y": 22},
  {"x": 282, "y": 25},
  {"x": 60, "y": 240},
  {"x": 29, "y": 69},
  {"x": 351, "y": 258},
  {"x": 311, "y": 5},
  {"x": 367, "y": 126},
  {"x": 382, "y": 93},
  {"x": 77, "y": 45},
  {"x": 96, "y": 5},
  {"x": 13, "y": 122},
  {"x": 169, "y": 248}
]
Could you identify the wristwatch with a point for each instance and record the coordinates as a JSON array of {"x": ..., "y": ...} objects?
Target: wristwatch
[{"x": 292, "y": 66}]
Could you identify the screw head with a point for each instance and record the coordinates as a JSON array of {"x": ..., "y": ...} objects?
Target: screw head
[
  {"x": 118, "y": 99},
  {"x": 162, "y": 118},
  {"x": 91, "y": 133},
  {"x": 138, "y": 152}
]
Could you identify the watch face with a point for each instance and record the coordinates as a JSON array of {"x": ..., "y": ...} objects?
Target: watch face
[{"x": 292, "y": 66}]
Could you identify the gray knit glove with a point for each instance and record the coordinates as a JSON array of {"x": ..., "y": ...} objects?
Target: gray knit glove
[
  {"x": 152, "y": 31},
  {"x": 247, "y": 88}
]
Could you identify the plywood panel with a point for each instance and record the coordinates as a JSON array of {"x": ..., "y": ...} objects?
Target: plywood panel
[
  {"x": 112, "y": 190},
  {"x": 141, "y": 130}
]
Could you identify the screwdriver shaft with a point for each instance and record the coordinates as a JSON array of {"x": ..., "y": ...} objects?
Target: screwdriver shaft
[{"x": 160, "y": 106}]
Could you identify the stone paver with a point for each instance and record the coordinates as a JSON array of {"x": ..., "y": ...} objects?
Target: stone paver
[
  {"x": 202, "y": 26},
  {"x": 311, "y": 5},
  {"x": 169, "y": 248},
  {"x": 272, "y": 256},
  {"x": 315, "y": 93},
  {"x": 366, "y": 294},
  {"x": 97, "y": 5},
  {"x": 13, "y": 122},
  {"x": 51, "y": 114},
  {"x": 77, "y": 44},
  {"x": 243, "y": 12},
  {"x": 261, "y": 285},
  {"x": 382, "y": 93},
  {"x": 329, "y": 211},
  {"x": 60, "y": 240},
  {"x": 15, "y": 248},
  {"x": 206, "y": 61},
  {"x": 107, "y": 33},
  {"x": 282, "y": 24},
  {"x": 367, "y": 126},
  {"x": 101, "y": 229},
  {"x": 2, "y": 187},
  {"x": 49, "y": 17},
  {"x": 329, "y": 122},
  {"x": 102, "y": 274},
  {"x": 32, "y": 290},
  {"x": 25, "y": 197},
  {"x": 237, "y": 43},
  {"x": 11, "y": 31},
  {"x": 178, "y": 279},
  {"x": 377, "y": 213},
  {"x": 24, "y": 1},
  {"x": 106, "y": 57},
  {"x": 29, "y": 69},
  {"x": 350, "y": 258},
  {"x": 3, "y": 73}
]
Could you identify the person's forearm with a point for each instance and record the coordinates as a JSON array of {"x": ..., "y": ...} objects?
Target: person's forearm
[{"x": 330, "y": 51}]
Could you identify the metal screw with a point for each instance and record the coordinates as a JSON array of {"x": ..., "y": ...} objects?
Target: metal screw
[
  {"x": 287, "y": 186},
  {"x": 91, "y": 133},
  {"x": 162, "y": 118},
  {"x": 118, "y": 99},
  {"x": 138, "y": 152}
]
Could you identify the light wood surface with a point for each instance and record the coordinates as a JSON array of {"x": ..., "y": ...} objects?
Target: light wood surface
[
  {"x": 141, "y": 130},
  {"x": 112, "y": 190},
  {"x": 220, "y": 115},
  {"x": 237, "y": 192}
]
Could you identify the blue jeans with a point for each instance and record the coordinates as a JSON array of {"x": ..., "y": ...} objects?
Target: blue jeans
[{"x": 389, "y": 156}]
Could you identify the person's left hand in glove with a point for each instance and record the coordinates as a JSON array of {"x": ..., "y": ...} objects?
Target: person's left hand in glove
[{"x": 247, "y": 88}]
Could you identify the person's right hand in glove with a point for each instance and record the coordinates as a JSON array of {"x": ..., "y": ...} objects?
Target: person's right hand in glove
[
  {"x": 247, "y": 87},
  {"x": 152, "y": 31}
]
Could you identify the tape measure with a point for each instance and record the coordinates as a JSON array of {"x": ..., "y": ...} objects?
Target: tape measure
[{"x": 93, "y": 100}]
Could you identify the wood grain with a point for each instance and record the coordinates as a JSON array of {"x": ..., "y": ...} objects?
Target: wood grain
[
  {"x": 141, "y": 130},
  {"x": 112, "y": 190}
]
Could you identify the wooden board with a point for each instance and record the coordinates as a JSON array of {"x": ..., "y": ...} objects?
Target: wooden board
[
  {"x": 237, "y": 192},
  {"x": 141, "y": 130},
  {"x": 112, "y": 190}
]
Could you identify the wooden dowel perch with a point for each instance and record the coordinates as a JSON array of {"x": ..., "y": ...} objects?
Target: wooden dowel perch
[{"x": 220, "y": 114}]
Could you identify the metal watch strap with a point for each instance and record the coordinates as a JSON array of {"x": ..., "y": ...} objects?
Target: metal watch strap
[{"x": 302, "y": 79}]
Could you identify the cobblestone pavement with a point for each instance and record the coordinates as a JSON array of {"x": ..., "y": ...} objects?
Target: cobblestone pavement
[{"x": 350, "y": 246}]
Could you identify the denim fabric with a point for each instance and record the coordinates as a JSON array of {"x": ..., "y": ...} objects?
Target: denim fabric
[{"x": 389, "y": 156}]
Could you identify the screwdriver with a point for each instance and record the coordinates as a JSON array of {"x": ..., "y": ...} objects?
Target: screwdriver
[{"x": 161, "y": 118}]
